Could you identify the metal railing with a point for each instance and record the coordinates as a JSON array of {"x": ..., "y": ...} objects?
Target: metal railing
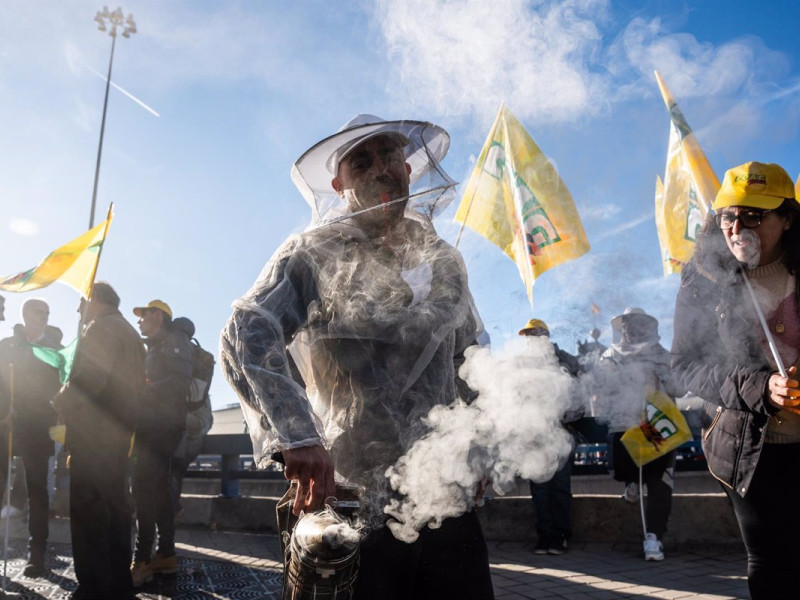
[
  {"x": 235, "y": 458},
  {"x": 230, "y": 467}
]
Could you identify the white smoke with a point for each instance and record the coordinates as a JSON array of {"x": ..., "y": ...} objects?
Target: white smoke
[
  {"x": 746, "y": 247},
  {"x": 617, "y": 394},
  {"x": 512, "y": 430},
  {"x": 340, "y": 535}
]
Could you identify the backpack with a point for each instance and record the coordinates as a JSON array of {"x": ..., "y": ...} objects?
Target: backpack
[
  {"x": 202, "y": 372},
  {"x": 202, "y": 367}
]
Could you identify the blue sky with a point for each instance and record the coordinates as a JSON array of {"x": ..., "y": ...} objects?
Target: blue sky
[{"x": 202, "y": 192}]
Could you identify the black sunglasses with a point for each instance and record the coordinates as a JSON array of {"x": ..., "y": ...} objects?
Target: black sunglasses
[{"x": 749, "y": 219}]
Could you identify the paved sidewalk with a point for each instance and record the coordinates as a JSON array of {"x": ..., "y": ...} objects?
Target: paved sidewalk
[
  {"x": 236, "y": 564},
  {"x": 588, "y": 571},
  {"x": 601, "y": 572}
]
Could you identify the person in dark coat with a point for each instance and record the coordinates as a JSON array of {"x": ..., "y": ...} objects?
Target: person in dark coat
[
  {"x": 99, "y": 406},
  {"x": 751, "y": 436},
  {"x": 162, "y": 422},
  {"x": 26, "y": 407}
]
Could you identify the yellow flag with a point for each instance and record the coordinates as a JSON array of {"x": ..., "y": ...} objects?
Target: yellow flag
[
  {"x": 74, "y": 264},
  {"x": 516, "y": 200},
  {"x": 688, "y": 190},
  {"x": 663, "y": 428},
  {"x": 797, "y": 188},
  {"x": 670, "y": 264}
]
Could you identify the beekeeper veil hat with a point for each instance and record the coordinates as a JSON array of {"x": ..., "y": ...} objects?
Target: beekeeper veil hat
[{"x": 424, "y": 145}]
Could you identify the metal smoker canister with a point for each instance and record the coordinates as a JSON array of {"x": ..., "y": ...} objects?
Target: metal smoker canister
[{"x": 322, "y": 562}]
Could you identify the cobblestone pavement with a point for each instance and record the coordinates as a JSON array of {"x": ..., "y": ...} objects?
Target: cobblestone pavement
[
  {"x": 243, "y": 565},
  {"x": 213, "y": 566}
]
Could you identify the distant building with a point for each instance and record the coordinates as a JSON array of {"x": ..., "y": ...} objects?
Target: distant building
[{"x": 228, "y": 419}]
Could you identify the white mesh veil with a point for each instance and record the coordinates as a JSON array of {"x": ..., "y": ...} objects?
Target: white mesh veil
[{"x": 425, "y": 145}]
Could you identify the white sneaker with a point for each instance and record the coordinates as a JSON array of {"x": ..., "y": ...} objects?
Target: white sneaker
[
  {"x": 9, "y": 511},
  {"x": 631, "y": 493},
  {"x": 653, "y": 549}
]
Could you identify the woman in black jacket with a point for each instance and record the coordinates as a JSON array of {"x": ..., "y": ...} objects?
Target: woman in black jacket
[{"x": 721, "y": 353}]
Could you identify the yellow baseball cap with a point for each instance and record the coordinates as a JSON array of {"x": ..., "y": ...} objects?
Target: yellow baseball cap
[
  {"x": 533, "y": 325},
  {"x": 756, "y": 185},
  {"x": 160, "y": 305}
]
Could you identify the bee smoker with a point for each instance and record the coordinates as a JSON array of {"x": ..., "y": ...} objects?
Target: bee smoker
[{"x": 320, "y": 555}]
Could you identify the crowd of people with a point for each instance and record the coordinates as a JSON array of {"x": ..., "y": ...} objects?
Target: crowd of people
[
  {"x": 129, "y": 415},
  {"x": 615, "y": 384},
  {"x": 356, "y": 328},
  {"x": 736, "y": 345}
]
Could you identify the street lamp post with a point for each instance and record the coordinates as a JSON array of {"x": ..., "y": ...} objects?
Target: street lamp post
[{"x": 108, "y": 21}]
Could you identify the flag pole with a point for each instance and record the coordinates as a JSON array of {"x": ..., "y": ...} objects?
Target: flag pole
[
  {"x": 770, "y": 340},
  {"x": 469, "y": 206},
  {"x": 463, "y": 223},
  {"x": 100, "y": 252},
  {"x": 94, "y": 274},
  {"x": 8, "y": 474}
]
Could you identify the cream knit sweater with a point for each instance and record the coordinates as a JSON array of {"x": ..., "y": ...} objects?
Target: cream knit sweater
[{"x": 775, "y": 290}]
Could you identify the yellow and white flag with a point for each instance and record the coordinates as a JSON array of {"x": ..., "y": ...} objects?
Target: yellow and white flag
[
  {"x": 687, "y": 192},
  {"x": 73, "y": 264},
  {"x": 662, "y": 429},
  {"x": 516, "y": 200},
  {"x": 671, "y": 265}
]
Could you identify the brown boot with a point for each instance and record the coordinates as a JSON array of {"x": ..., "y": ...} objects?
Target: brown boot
[
  {"x": 141, "y": 572},
  {"x": 164, "y": 565}
]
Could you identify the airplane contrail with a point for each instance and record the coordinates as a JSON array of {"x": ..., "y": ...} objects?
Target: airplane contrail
[
  {"x": 626, "y": 226},
  {"x": 782, "y": 93},
  {"x": 124, "y": 91}
]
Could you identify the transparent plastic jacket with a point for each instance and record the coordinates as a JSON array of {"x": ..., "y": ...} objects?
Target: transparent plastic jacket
[
  {"x": 376, "y": 334},
  {"x": 623, "y": 378}
]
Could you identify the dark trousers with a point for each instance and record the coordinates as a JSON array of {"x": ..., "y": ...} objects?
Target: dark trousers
[
  {"x": 100, "y": 521},
  {"x": 36, "y": 467},
  {"x": 35, "y": 462},
  {"x": 443, "y": 564},
  {"x": 177, "y": 469},
  {"x": 769, "y": 525},
  {"x": 657, "y": 476},
  {"x": 152, "y": 493},
  {"x": 552, "y": 501},
  {"x": 191, "y": 446}
]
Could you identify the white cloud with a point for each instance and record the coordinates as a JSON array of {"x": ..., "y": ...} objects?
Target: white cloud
[
  {"x": 692, "y": 67},
  {"x": 22, "y": 226},
  {"x": 466, "y": 56},
  {"x": 741, "y": 121},
  {"x": 563, "y": 61}
]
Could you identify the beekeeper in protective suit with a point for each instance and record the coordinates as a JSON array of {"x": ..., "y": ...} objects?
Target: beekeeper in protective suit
[{"x": 374, "y": 309}]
